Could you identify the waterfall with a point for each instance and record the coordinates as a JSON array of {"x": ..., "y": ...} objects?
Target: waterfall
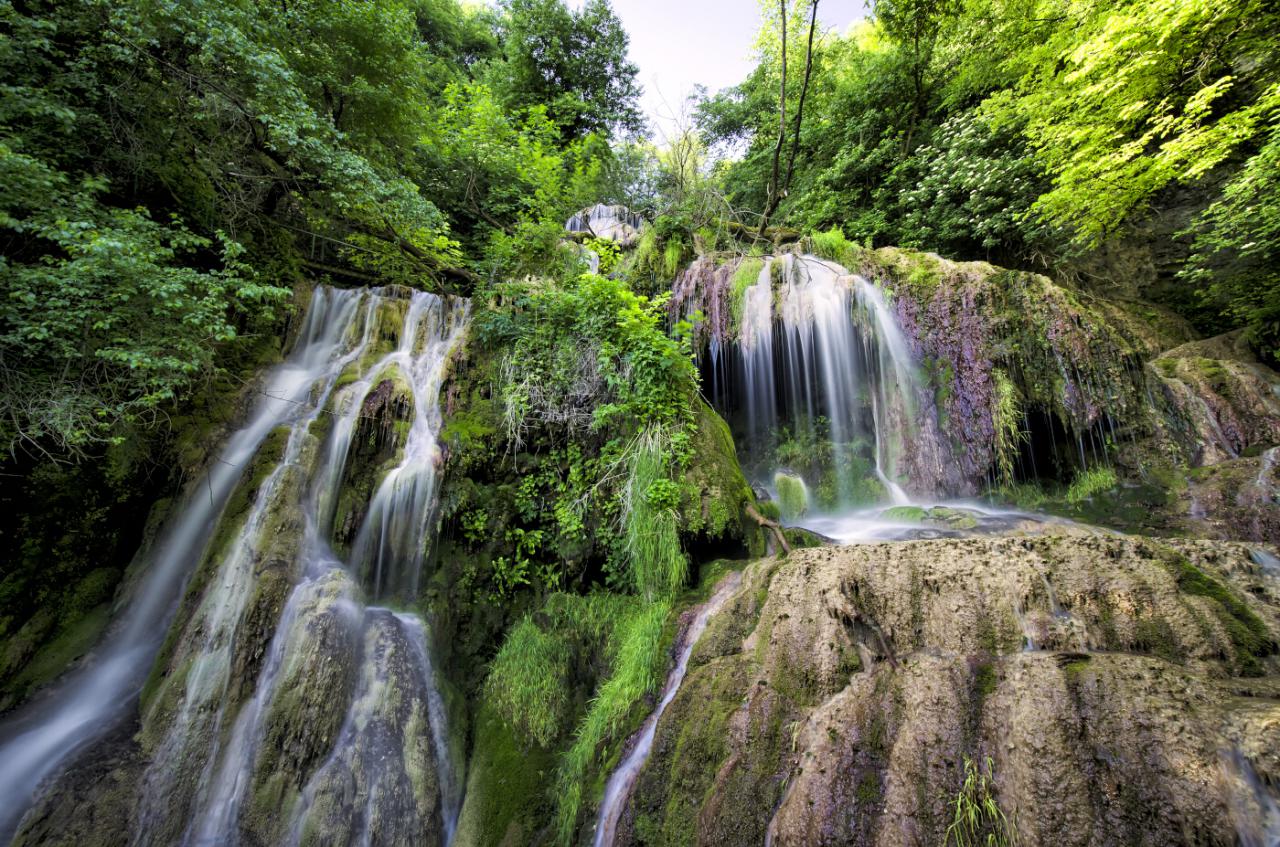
[
  {"x": 210, "y": 727},
  {"x": 756, "y": 345},
  {"x": 615, "y": 223},
  {"x": 92, "y": 699},
  {"x": 825, "y": 365},
  {"x": 623, "y": 779}
]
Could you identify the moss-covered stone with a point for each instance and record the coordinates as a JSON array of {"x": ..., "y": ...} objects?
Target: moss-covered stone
[
  {"x": 793, "y": 495},
  {"x": 506, "y": 802},
  {"x": 376, "y": 441},
  {"x": 717, "y": 494},
  {"x": 860, "y": 751}
]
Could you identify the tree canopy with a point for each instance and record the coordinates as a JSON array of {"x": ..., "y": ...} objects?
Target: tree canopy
[{"x": 172, "y": 167}]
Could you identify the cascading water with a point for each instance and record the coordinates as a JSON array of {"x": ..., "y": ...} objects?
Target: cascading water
[
  {"x": 830, "y": 364},
  {"x": 92, "y": 699},
  {"x": 756, "y": 345},
  {"x": 221, "y": 722},
  {"x": 624, "y": 776},
  {"x": 825, "y": 397}
]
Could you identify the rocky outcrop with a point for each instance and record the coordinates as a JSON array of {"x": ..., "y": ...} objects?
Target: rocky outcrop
[
  {"x": 1104, "y": 683},
  {"x": 1230, "y": 401}
]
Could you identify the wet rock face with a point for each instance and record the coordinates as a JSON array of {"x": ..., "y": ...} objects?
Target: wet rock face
[
  {"x": 380, "y": 429},
  {"x": 614, "y": 223},
  {"x": 379, "y": 785},
  {"x": 1106, "y": 679},
  {"x": 1229, "y": 402},
  {"x": 1235, "y": 499}
]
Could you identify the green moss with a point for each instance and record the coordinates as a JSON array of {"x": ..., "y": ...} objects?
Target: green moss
[
  {"x": 1248, "y": 633},
  {"x": 75, "y": 638},
  {"x": 745, "y": 275},
  {"x": 868, "y": 790},
  {"x": 615, "y": 711},
  {"x": 850, "y": 662},
  {"x": 1090, "y": 483},
  {"x": 472, "y": 428},
  {"x": 905, "y": 514},
  {"x": 1075, "y": 664},
  {"x": 1154, "y": 634},
  {"x": 506, "y": 802},
  {"x": 717, "y": 493},
  {"x": 834, "y": 246},
  {"x": 985, "y": 680},
  {"x": 793, "y": 496},
  {"x": 800, "y": 538},
  {"x": 1213, "y": 373}
]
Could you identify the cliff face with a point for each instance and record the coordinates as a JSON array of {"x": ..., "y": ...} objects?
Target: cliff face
[
  {"x": 1023, "y": 385},
  {"x": 1066, "y": 684},
  {"x": 1103, "y": 684}
]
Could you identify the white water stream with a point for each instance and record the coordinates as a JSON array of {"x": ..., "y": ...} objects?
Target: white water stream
[
  {"x": 212, "y": 741},
  {"x": 623, "y": 779},
  {"x": 91, "y": 700},
  {"x": 826, "y": 355}
]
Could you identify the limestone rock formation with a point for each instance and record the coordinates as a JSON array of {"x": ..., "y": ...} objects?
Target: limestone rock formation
[{"x": 1116, "y": 686}]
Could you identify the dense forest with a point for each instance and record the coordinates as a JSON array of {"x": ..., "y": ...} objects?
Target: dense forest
[{"x": 407, "y": 444}]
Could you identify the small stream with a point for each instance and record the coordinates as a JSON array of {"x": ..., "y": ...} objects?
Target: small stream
[{"x": 623, "y": 779}]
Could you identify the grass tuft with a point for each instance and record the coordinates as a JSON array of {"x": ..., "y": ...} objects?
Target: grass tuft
[
  {"x": 976, "y": 817},
  {"x": 1090, "y": 483}
]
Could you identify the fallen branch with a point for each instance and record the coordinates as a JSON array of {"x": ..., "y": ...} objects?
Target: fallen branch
[{"x": 755, "y": 515}]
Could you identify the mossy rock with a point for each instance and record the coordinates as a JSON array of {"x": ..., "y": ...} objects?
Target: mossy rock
[
  {"x": 717, "y": 493},
  {"x": 793, "y": 495},
  {"x": 506, "y": 801},
  {"x": 376, "y": 441}
]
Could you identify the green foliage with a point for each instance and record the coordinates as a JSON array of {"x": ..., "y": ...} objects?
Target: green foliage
[
  {"x": 110, "y": 324},
  {"x": 833, "y": 245},
  {"x": 1114, "y": 117},
  {"x": 1007, "y": 423},
  {"x": 572, "y": 63},
  {"x": 597, "y": 410},
  {"x": 531, "y": 680},
  {"x": 1090, "y": 483},
  {"x": 1034, "y": 134},
  {"x": 527, "y": 682},
  {"x": 658, "y": 565},
  {"x": 976, "y": 817},
  {"x": 1237, "y": 250},
  {"x": 970, "y": 187},
  {"x": 1248, "y": 633},
  {"x": 636, "y": 673},
  {"x": 608, "y": 251}
]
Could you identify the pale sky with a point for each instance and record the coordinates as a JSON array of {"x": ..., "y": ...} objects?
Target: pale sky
[{"x": 682, "y": 43}]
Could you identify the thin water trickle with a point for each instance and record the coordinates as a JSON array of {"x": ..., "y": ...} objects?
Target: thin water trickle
[
  {"x": 1269, "y": 563},
  {"x": 623, "y": 779},
  {"x": 1254, "y": 805},
  {"x": 1263, "y": 482}
]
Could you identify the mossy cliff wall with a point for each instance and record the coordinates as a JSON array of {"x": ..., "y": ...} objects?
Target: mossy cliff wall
[{"x": 1027, "y": 381}]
